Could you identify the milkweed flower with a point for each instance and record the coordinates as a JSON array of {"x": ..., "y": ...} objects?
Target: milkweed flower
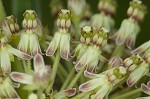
[
  {"x": 65, "y": 93},
  {"x": 7, "y": 53},
  {"x": 106, "y": 8},
  {"x": 85, "y": 41},
  {"x": 7, "y": 88},
  {"x": 138, "y": 73},
  {"x": 143, "y": 49},
  {"x": 40, "y": 77},
  {"x": 102, "y": 83},
  {"x": 10, "y": 26},
  {"x": 29, "y": 42},
  {"x": 132, "y": 62},
  {"x": 93, "y": 54},
  {"x": 137, "y": 10},
  {"x": 61, "y": 38},
  {"x": 127, "y": 32}
]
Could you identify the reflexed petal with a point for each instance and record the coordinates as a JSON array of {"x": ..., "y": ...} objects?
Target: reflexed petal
[
  {"x": 102, "y": 92},
  {"x": 65, "y": 46},
  {"x": 18, "y": 53},
  {"x": 23, "y": 44},
  {"x": 92, "y": 66},
  {"x": 5, "y": 62},
  {"x": 115, "y": 61},
  {"x": 11, "y": 91},
  {"x": 136, "y": 75},
  {"x": 91, "y": 84},
  {"x": 65, "y": 93},
  {"x": 34, "y": 45},
  {"x": 91, "y": 75},
  {"x": 143, "y": 98},
  {"x": 22, "y": 78},
  {"x": 145, "y": 89},
  {"x": 131, "y": 41},
  {"x": 120, "y": 39},
  {"x": 38, "y": 62},
  {"x": 39, "y": 28},
  {"x": 148, "y": 84},
  {"x": 141, "y": 48},
  {"x": 5, "y": 28},
  {"x": 54, "y": 44}
]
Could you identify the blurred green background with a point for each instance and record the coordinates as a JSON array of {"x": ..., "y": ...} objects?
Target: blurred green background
[{"x": 18, "y": 7}]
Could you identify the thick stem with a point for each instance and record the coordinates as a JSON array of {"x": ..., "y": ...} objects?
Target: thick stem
[
  {"x": 39, "y": 94},
  {"x": 118, "y": 51},
  {"x": 71, "y": 74},
  {"x": 54, "y": 71},
  {"x": 76, "y": 78}
]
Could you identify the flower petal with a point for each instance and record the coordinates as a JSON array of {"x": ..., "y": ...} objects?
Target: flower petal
[
  {"x": 34, "y": 45},
  {"x": 131, "y": 41},
  {"x": 91, "y": 84},
  {"x": 22, "y": 78},
  {"x": 11, "y": 91},
  {"x": 137, "y": 74},
  {"x": 65, "y": 46},
  {"x": 65, "y": 93},
  {"x": 5, "y": 62},
  {"x": 24, "y": 40},
  {"x": 115, "y": 61},
  {"x": 18, "y": 53},
  {"x": 54, "y": 44},
  {"x": 38, "y": 62},
  {"x": 91, "y": 75},
  {"x": 141, "y": 48},
  {"x": 145, "y": 89},
  {"x": 102, "y": 92}
]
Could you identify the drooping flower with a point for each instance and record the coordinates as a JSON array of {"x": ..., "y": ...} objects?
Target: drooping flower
[
  {"x": 93, "y": 54},
  {"x": 127, "y": 32},
  {"x": 106, "y": 8},
  {"x": 61, "y": 38},
  {"x": 102, "y": 83},
  {"x": 143, "y": 49},
  {"x": 29, "y": 42},
  {"x": 7, "y": 90},
  {"x": 7, "y": 53},
  {"x": 40, "y": 77},
  {"x": 85, "y": 41},
  {"x": 138, "y": 73},
  {"x": 10, "y": 26}
]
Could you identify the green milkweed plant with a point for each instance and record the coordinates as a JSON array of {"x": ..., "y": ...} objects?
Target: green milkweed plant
[{"x": 86, "y": 58}]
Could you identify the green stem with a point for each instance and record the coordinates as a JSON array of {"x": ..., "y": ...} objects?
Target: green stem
[
  {"x": 76, "y": 78},
  {"x": 118, "y": 51},
  {"x": 79, "y": 96},
  {"x": 39, "y": 94},
  {"x": 54, "y": 71},
  {"x": 24, "y": 65},
  {"x": 124, "y": 96},
  {"x": 28, "y": 66},
  {"x": 71, "y": 74}
]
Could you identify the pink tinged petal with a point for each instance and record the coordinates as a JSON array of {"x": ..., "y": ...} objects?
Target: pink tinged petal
[
  {"x": 65, "y": 46},
  {"x": 145, "y": 89},
  {"x": 54, "y": 44},
  {"x": 5, "y": 62},
  {"x": 131, "y": 41},
  {"x": 65, "y": 93},
  {"x": 102, "y": 92},
  {"x": 18, "y": 53},
  {"x": 12, "y": 94},
  {"x": 148, "y": 84},
  {"x": 39, "y": 28},
  {"x": 23, "y": 44},
  {"x": 34, "y": 45},
  {"x": 91, "y": 84},
  {"x": 136, "y": 75},
  {"x": 38, "y": 62},
  {"x": 91, "y": 75},
  {"x": 22, "y": 78},
  {"x": 6, "y": 28},
  {"x": 92, "y": 66},
  {"x": 141, "y": 48},
  {"x": 115, "y": 61}
]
